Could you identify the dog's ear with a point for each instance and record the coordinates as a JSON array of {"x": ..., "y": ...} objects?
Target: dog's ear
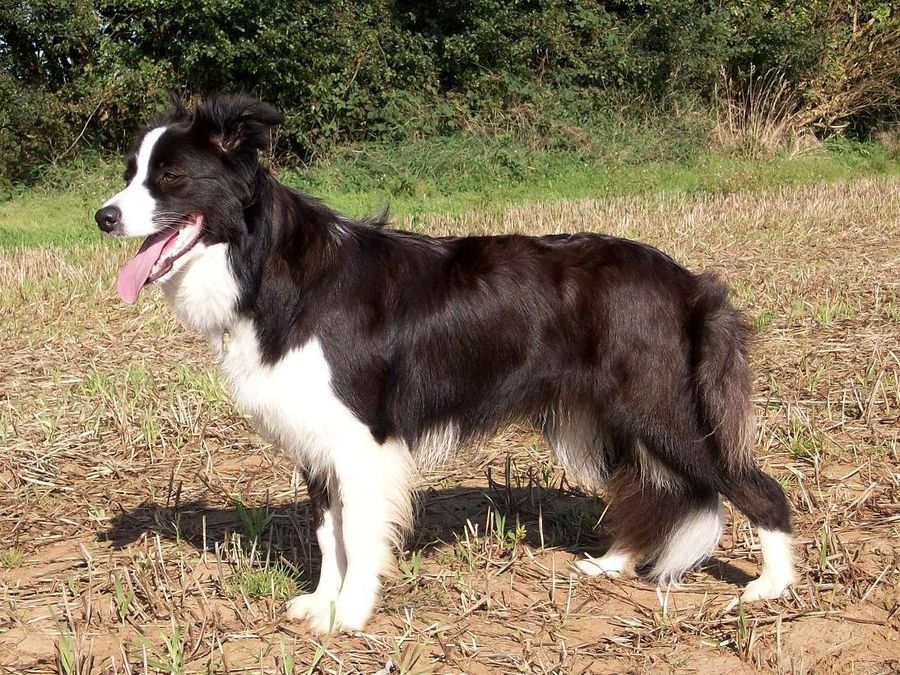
[{"x": 236, "y": 125}]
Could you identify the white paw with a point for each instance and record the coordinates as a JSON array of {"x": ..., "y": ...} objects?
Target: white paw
[
  {"x": 324, "y": 623},
  {"x": 764, "y": 588},
  {"x": 353, "y": 613},
  {"x": 328, "y": 615},
  {"x": 612, "y": 565},
  {"x": 317, "y": 610}
]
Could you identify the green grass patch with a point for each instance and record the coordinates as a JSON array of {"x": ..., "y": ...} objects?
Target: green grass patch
[
  {"x": 274, "y": 579},
  {"x": 11, "y": 558},
  {"x": 457, "y": 174},
  {"x": 468, "y": 173}
]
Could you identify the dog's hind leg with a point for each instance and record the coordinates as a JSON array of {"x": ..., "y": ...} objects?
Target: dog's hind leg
[
  {"x": 374, "y": 484},
  {"x": 761, "y": 498},
  {"x": 586, "y": 453},
  {"x": 327, "y": 507},
  {"x": 614, "y": 563},
  {"x": 664, "y": 529}
]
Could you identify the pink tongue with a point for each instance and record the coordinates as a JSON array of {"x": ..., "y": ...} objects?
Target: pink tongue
[{"x": 136, "y": 271}]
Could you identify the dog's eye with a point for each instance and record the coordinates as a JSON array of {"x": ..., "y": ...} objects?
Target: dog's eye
[{"x": 169, "y": 178}]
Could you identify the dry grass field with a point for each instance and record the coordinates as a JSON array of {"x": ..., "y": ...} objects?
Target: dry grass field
[{"x": 145, "y": 528}]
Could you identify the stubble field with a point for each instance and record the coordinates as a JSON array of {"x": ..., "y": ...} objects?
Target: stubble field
[{"x": 144, "y": 527}]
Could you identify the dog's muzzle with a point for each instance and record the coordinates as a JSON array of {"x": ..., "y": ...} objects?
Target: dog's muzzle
[{"x": 108, "y": 218}]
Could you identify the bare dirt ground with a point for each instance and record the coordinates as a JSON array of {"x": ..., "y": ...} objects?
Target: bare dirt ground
[{"x": 145, "y": 528}]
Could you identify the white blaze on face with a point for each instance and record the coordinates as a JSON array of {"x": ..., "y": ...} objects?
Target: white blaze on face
[{"x": 135, "y": 201}]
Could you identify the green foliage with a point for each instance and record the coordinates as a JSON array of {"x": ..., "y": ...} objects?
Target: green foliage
[
  {"x": 456, "y": 174},
  {"x": 85, "y": 73}
]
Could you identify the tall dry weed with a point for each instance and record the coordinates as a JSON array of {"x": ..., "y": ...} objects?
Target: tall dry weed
[{"x": 758, "y": 118}]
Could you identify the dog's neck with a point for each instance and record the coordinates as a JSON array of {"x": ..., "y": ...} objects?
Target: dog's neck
[
  {"x": 204, "y": 293},
  {"x": 290, "y": 241}
]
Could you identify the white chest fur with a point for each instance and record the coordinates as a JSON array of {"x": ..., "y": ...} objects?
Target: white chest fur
[
  {"x": 291, "y": 401},
  {"x": 203, "y": 291}
]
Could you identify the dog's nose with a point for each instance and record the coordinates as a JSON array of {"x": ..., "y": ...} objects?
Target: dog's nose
[{"x": 108, "y": 217}]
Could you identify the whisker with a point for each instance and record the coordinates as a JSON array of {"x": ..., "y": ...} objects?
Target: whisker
[
  {"x": 172, "y": 219},
  {"x": 172, "y": 223}
]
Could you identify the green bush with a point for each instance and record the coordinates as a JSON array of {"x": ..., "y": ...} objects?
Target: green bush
[{"x": 79, "y": 74}]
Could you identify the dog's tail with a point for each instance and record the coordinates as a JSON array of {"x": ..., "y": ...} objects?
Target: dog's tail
[
  {"x": 724, "y": 382},
  {"x": 723, "y": 376}
]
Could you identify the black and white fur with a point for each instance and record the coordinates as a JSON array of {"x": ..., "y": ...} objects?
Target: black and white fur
[{"x": 366, "y": 352}]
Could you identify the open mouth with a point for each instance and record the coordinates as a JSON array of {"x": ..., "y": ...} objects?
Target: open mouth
[{"x": 157, "y": 255}]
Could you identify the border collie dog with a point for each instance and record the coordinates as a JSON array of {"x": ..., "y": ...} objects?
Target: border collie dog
[{"x": 367, "y": 352}]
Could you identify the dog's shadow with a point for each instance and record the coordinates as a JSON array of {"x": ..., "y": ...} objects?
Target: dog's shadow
[{"x": 497, "y": 515}]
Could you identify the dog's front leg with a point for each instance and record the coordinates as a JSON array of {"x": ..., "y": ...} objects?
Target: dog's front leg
[
  {"x": 374, "y": 483},
  {"x": 319, "y": 605}
]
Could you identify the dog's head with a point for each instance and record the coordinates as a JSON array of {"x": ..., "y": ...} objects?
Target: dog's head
[{"x": 188, "y": 181}]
